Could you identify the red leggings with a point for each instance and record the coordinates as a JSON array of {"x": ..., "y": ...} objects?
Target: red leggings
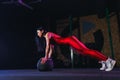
[{"x": 80, "y": 47}]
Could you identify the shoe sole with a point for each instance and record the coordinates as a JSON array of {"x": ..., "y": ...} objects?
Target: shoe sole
[{"x": 102, "y": 69}]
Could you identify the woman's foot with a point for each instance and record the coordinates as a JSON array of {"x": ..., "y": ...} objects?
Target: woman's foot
[
  {"x": 103, "y": 65},
  {"x": 110, "y": 63}
]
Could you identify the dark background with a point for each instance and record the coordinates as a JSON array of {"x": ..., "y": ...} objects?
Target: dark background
[{"x": 18, "y": 23}]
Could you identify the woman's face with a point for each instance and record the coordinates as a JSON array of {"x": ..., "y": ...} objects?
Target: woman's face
[{"x": 40, "y": 33}]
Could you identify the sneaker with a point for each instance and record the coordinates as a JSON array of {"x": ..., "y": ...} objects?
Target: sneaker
[
  {"x": 110, "y": 63},
  {"x": 103, "y": 65}
]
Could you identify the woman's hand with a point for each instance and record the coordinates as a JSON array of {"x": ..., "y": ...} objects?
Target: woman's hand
[{"x": 43, "y": 60}]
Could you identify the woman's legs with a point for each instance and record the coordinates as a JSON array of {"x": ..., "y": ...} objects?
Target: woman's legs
[{"x": 81, "y": 48}]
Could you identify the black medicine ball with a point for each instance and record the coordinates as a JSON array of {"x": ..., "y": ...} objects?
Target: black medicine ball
[{"x": 47, "y": 66}]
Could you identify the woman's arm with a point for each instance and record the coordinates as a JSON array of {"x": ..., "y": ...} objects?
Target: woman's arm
[
  {"x": 51, "y": 51},
  {"x": 47, "y": 49}
]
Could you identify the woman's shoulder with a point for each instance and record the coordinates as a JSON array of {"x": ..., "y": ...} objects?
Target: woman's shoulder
[{"x": 49, "y": 34}]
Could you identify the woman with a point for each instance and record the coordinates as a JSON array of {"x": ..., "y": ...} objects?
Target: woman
[{"x": 107, "y": 63}]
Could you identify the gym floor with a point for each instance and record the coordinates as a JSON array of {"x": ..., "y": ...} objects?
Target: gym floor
[{"x": 60, "y": 74}]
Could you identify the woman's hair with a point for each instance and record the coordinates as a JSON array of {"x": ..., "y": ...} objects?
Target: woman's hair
[{"x": 42, "y": 28}]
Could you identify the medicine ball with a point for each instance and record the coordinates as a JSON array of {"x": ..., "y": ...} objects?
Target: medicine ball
[{"x": 47, "y": 66}]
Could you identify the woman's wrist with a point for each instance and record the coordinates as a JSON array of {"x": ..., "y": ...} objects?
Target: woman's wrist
[{"x": 46, "y": 57}]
